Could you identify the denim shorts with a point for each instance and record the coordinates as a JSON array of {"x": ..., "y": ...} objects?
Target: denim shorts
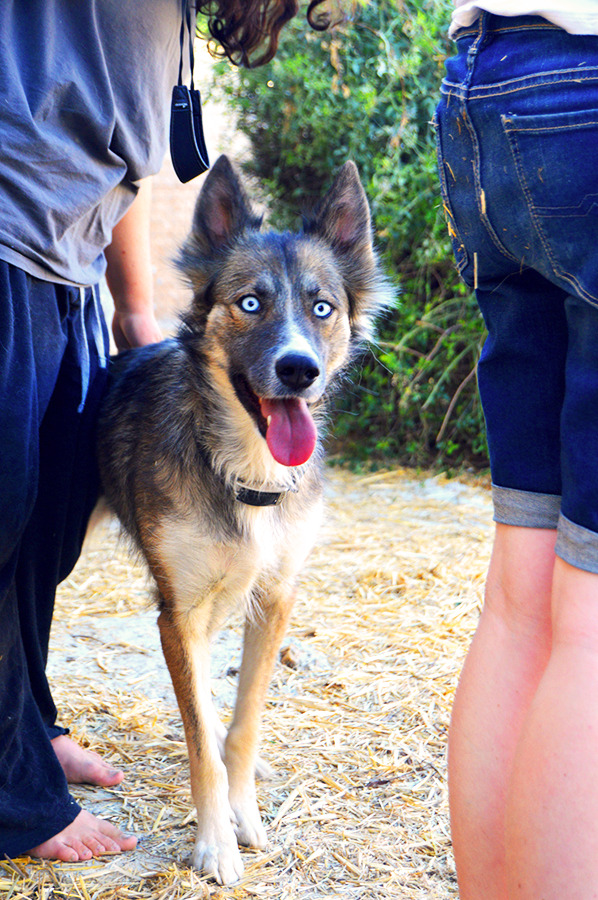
[{"x": 517, "y": 130}]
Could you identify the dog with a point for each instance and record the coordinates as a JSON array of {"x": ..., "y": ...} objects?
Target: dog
[{"x": 210, "y": 455}]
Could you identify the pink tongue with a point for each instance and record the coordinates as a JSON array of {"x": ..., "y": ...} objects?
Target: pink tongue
[{"x": 291, "y": 434}]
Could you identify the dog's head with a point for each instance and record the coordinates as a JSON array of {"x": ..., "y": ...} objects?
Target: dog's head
[{"x": 280, "y": 314}]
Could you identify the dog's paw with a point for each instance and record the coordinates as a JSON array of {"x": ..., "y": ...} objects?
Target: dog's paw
[
  {"x": 248, "y": 823},
  {"x": 219, "y": 859}
]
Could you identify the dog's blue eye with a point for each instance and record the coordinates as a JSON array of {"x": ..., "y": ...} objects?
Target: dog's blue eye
[
  {"x": 322, "y": 309},
  {"x": 250, "y": 304}
]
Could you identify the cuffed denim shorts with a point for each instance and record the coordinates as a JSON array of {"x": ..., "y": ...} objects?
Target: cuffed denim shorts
[{"x": 517, "y": 130}]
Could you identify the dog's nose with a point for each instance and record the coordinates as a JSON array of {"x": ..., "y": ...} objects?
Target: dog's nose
[{"x": 297, "y": 371}]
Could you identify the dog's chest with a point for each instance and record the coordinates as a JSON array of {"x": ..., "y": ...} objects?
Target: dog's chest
[{"x": 204, "y": 566}]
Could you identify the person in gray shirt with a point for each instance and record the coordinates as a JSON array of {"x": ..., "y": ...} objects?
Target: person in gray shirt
[{"x": 85, "y": 90}]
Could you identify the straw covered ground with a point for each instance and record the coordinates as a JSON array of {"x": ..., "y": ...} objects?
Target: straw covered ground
[{"x": 356, "y": 720}]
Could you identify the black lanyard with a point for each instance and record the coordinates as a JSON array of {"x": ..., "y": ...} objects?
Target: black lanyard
[
  {"x": 187, "y": 144},
  {"x": 186, "y": 21}
]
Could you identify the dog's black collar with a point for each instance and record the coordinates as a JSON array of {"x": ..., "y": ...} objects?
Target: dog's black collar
[
  {"x": 258, "y": 498},
  {"x": 252, "y": 497}
]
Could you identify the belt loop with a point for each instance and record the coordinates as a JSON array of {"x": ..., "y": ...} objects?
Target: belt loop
[
  {"x": 486, "y": 28},
  {"x": 484, "y": 22}
]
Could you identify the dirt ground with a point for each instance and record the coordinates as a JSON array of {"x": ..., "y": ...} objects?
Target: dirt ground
[{"x": 357, "y": 715}]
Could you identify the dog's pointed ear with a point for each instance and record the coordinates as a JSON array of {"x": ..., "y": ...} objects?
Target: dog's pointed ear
[
  {"x": 343, "y": 216},
  {"x": 223, "y": 209},
  {"x": 343, "y": 220}
]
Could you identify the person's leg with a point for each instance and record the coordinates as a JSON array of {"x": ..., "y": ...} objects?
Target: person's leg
[
  {"x": 491, "y": 731},
  {"x": 509, "y": 155},
  {"x": 34, "y": 802},
  {"x": 551, "y": 833},
  {"x": 511, "y": 647},
  {"x": 51, "y": 544},
  {"x": 500, "y": 676},
  {"x": 522, "y": 384},
  {"x": 32, "y": 780},
  {"x": 68, "y": 487}
]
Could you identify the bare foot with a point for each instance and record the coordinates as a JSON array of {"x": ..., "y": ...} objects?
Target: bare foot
[
  {"x": 85, "y": 837},
  {"x": 83, "y": 766}
]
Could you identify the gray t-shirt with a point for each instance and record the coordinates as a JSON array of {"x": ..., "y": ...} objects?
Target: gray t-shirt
[{"x": 85, "y": 91}]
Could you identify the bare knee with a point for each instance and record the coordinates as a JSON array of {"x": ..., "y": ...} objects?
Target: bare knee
[
  {"x": 519, "y": 585},
  {"x": 575, "y": 607}
]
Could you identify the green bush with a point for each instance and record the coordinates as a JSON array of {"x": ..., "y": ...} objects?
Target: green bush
[{"x": 367, "y": 91}]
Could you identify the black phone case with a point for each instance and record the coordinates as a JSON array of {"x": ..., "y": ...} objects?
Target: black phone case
[{"x": 187, "y": 144}]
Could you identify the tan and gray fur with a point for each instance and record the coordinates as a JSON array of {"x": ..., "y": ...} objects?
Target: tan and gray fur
[{"x": 182, "y": 434}]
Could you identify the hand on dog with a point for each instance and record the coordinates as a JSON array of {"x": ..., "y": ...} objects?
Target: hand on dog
[{"x": 135, "y": 329}]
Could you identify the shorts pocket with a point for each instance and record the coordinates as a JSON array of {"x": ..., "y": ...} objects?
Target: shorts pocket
[
  {"x": 557, "y": 164},
  {"x": 459, "y": 250}
]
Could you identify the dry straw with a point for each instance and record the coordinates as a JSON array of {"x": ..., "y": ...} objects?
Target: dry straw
[{"x": 356, "y": 720}]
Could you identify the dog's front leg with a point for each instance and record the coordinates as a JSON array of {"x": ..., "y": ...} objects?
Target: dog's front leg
[
  {"x": 264, "y": 631},
  {"x": 187, "y": 653}
]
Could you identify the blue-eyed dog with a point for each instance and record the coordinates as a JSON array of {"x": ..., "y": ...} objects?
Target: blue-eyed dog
[{"x": 210, "y": 456}]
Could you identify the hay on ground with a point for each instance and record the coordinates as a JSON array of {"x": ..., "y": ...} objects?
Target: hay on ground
[{"x": 356, "y": 719}]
